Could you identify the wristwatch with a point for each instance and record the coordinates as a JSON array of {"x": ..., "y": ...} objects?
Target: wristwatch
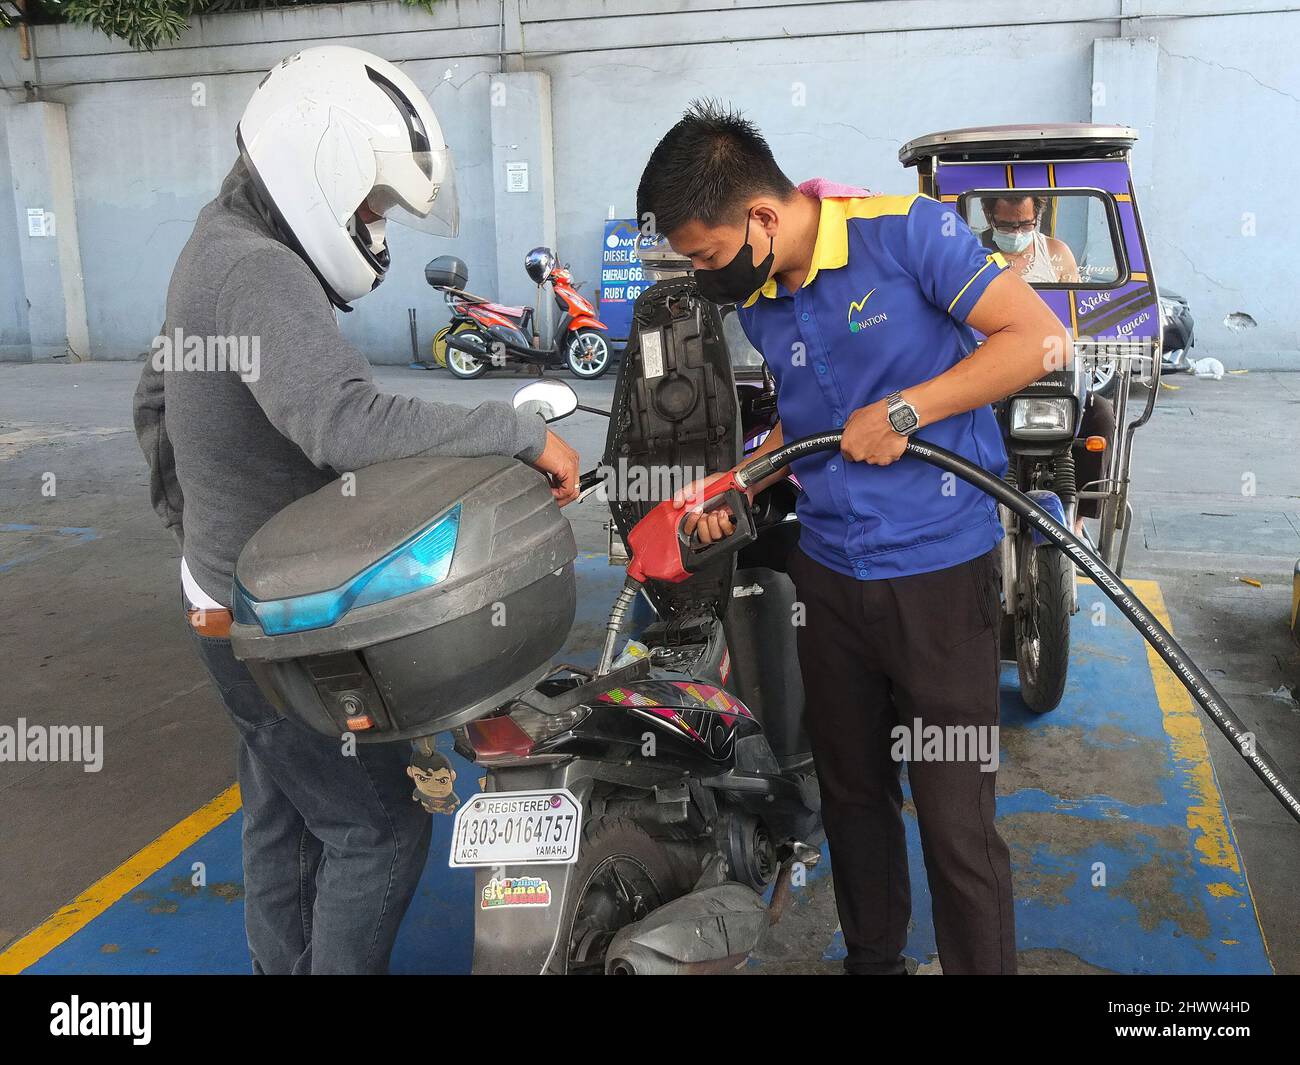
[{"x": 902, "y": 415}]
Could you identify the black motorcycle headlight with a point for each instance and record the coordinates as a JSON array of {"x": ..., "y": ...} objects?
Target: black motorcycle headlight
[{"x": 1042, "y": 418}]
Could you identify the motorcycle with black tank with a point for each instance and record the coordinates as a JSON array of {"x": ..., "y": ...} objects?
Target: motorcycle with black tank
[{"x": 649, "y": 815}]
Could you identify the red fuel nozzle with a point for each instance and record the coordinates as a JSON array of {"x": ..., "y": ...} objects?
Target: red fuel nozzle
[{"x": 662, "y": 551}]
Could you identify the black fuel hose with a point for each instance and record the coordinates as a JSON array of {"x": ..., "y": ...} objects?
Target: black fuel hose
[{"x": 1201, "y": 690}]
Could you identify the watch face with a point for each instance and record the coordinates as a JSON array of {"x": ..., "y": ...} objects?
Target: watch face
[{"x": 903, "y": 419}]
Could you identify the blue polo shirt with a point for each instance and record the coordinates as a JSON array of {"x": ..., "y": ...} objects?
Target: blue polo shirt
[{"x": 883, "y": 308}]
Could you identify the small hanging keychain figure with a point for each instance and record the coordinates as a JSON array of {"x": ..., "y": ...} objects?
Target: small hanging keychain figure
[{"x": 434, "y": 778}]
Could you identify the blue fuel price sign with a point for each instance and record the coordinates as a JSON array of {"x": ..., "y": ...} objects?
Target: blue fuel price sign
[{"x": 621, "y": 279}]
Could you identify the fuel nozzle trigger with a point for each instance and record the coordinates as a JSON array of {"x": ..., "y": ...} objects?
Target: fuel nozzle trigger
[{"x": 696, "y": 555}]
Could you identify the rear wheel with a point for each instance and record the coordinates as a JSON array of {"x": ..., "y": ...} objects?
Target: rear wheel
[
  {"x": 1042, "y": 623},
  {"x": 621, "y": 876},
  {"x": 440, "y": 348},
  {"x": 464, "y": 365},
  {"x": 588, "y": 353}
]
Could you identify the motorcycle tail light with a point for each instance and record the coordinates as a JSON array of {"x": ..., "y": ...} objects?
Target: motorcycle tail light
[
  {"x": 1042, "y": 417},
  {"x": 539, "y": 726},
  {"x": 514, "y": 735},
  {"x": 497, "y": 738}
]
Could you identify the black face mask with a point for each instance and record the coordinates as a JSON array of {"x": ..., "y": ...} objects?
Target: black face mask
[{"x": 740, "y": 278}]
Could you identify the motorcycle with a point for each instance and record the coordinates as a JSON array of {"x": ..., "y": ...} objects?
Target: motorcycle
[
  {"x": 650, "y": 815},
  {"x": 1072, "y": 187},
  {"x": 482, "y": 334}
]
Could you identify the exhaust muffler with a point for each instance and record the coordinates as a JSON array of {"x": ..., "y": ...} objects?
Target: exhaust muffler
[{"x": 712, "y": 930}]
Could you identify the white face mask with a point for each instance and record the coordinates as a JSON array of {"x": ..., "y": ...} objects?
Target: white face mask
[{"x": 1012, "y": 242}]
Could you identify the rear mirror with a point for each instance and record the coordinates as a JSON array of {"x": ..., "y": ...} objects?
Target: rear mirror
[{"x": 553, "y": 400}]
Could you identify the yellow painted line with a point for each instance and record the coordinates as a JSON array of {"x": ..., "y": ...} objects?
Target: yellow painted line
[
  {"x": 1183, "y": 724},
  {"x": 1205, "y": 811},
  {"x": 97, "y": 898},
  {"x": 1181, "y": 717}
]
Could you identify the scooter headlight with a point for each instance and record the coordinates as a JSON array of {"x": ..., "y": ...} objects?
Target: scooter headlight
[
  {"x": 1042, "y": 418},
  {"x": 422, "y": 561}
]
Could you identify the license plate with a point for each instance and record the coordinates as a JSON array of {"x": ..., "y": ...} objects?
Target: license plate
[{"x": 517, "y": 828}]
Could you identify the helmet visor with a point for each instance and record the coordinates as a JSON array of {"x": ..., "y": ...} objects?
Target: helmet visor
[{"x": 417, "y": 190}]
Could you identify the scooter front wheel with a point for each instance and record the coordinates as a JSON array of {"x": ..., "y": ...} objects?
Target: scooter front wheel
[{"x": 588, "y": 353}]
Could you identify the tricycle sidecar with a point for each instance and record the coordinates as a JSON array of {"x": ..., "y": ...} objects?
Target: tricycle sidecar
[{"x": 1058, "y": 203}]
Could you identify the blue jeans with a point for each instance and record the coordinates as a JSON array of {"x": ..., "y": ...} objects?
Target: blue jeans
[{"x": 333, "y": 843}]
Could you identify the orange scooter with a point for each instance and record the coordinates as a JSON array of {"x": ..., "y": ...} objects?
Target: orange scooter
[{"x": 483, "y": 334}]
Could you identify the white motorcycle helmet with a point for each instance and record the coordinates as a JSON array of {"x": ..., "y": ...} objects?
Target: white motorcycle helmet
[{"x": 331, "y": 128}]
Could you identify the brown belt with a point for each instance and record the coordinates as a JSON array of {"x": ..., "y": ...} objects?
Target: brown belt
[{"x": 210, "y": 622}]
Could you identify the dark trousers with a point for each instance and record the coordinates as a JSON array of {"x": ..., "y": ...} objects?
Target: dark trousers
[
  {"x": 880, "y": 653},
  {"x": 333, "y": 844}
]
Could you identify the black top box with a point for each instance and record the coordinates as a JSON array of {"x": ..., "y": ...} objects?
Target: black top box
[{"x": 446, "y": 271}]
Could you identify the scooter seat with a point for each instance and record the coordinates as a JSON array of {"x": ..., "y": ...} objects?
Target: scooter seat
[{"x": 509, "y": 312}]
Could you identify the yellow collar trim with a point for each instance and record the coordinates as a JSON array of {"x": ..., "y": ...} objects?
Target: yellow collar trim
[{"x": 831, "y": 251}]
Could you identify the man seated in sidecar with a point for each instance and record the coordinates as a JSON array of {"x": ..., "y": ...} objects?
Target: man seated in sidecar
[{"x": 1015, "y": 229}]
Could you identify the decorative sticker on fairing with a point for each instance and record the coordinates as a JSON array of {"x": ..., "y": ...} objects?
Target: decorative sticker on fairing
[
  {"x": 1127, "y": 313},
  {"x": 685, "y": 695},
  {"x": 704, "y": 714},
  {"x": 510, "y": 892}
]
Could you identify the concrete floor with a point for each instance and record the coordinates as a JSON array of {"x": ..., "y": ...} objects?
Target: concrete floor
[{"x": 89, "y": 633}]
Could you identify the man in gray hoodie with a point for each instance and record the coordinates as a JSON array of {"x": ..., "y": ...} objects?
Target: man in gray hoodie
[{"x": 333, "y": 844}]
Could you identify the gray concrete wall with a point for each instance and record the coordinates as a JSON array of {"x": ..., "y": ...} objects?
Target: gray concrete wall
[
  {"x": 836, "y": 85},
  {"x": 1221, "y": 215},
  {"x": 15, "y": 335},
  {"x": 49, "y": 250}
]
